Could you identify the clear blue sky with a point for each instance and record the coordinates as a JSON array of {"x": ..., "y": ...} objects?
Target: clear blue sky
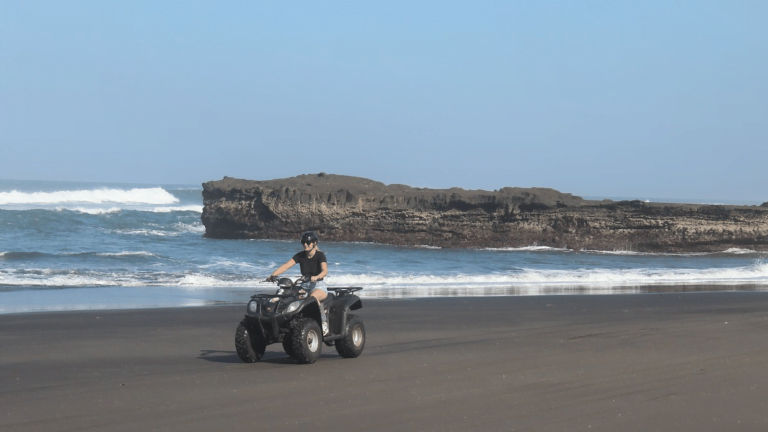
[{"x": 611, "y": 98}]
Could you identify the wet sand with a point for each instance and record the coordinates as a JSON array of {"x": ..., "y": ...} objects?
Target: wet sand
[{"x": 669, "y": 362}]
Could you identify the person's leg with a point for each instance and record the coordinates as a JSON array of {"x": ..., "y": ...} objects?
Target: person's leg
[{"x": 319, "y": 292}]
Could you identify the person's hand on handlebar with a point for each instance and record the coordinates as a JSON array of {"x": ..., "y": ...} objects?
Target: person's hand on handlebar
[{"x": 271, "y": 278}]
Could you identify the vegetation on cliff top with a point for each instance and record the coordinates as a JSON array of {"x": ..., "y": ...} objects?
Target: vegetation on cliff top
[{"x": 323, "y": 183}]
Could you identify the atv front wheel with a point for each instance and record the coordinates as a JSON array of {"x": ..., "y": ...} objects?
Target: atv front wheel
[
  {"x": 250, "y": 346},
  {"x": 306, "y": 338},
  {"x": 351, "y": 345}
]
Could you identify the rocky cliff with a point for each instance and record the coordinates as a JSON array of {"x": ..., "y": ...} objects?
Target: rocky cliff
[{"x": 343, "y": 208}]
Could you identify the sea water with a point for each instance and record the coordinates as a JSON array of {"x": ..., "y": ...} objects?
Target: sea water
[{"x": 77, "y": 246}]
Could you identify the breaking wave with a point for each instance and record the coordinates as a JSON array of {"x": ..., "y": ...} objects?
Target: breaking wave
[
  {"x": 251, "y": 276},
  {"x": 54, "y": 278},
  {"x": 93, "y": 211},
  {"x": 757, "y": 273},
  {"x": 27, "y": 256},
  {"x": 127, "y": 253},
  {"x": 529, "y": 249},
  {"x": 729, "y": 251},
  {"x": 192, "y": 208},
  {"x": 156, "y": 196},
  {"x": 103, "y": 201},
  {"x": 176, "y": 230},
  {"x": 101, "y": 210}
]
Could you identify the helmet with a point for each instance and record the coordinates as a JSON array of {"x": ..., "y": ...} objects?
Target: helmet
[{"x": 309, "y": 237}]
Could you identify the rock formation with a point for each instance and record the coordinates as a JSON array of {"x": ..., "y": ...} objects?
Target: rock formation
[{"x": 343, "y": 208}]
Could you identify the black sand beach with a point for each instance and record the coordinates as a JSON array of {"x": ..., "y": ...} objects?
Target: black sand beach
[{"x": 668, "y": 362}]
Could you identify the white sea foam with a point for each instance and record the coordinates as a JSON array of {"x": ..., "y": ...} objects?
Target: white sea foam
[
  {"x": 734, "y": 251},
  {"x": 198, "y": 228},
  {"x": 757, "y": 273},
  {"x": 93, "y": 211},
  {"x": 155, "y": 196},
  {"x": 98, "y": 201},
  {"x": 197, "y": 280},
  {"x": 629, "y": 252},
  {"x": 178, "y": 229},
  {"x": 102, "y": 210},
  {"x": 146, "y": 232},
  {"x": 224, "y": 263},
  {"x": 529, "y": 249},
  {"x": 739, "y": 251},
  {"x": 68, "y": 279},
  {"x": 192, "y": 208},
  {"x": 528, "y": 279},
  {"x": 127, "y": 253}
]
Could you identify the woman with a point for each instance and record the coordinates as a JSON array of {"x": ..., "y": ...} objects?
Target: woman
[{"x": 314, "y": 266}]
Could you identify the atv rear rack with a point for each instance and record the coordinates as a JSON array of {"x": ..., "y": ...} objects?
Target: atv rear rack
[{"x": 341, "y": 291}]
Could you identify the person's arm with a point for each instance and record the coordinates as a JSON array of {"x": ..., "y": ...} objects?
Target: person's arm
[
  {"x": 323, "y": 273},
  {"x": 282, "y": 269}
]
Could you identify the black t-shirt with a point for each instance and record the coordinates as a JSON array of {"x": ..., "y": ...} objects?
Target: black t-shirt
[{"x": 310, "y": 266}]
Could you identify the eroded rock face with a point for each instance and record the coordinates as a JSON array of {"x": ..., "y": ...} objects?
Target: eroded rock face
[{"x": 343, "y": 208}]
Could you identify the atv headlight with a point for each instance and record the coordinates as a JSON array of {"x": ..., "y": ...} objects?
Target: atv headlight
[
  {"x": 293, "y": 306},
  {"x": 252, "y": 307}
]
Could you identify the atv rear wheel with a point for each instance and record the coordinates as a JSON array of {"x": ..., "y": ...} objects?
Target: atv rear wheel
[
  {"x": 351, "y": 345},
  {"x": 288, "y": 344},
  {"x": 306, "y": 338},
  {"x": 250, "y": 345}
]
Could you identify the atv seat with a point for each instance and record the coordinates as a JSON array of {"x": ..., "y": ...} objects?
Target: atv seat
[{"x": 329, "y": 298}]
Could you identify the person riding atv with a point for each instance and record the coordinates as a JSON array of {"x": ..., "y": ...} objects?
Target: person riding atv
[
  {"x": 291, "y": 317},
  {"x": 314, "y": 266},
  {"x": 297, "y": 314}
]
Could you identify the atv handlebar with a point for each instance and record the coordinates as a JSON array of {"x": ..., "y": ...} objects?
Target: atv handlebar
[
  {"x": 294, "y": 284},
  {"x": 341, "y": 291}
]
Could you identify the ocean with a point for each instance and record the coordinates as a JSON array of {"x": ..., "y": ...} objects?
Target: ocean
[{"x": 81, "y": 246}]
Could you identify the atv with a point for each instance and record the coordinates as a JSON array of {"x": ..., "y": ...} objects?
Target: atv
[{"x": 292, "y": 317}]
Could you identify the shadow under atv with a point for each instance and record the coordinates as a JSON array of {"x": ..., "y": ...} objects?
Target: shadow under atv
[{"x": 217, "y": 356}]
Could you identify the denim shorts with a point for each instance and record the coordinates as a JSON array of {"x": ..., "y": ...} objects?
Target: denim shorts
[{"x": 311, "y": 286}]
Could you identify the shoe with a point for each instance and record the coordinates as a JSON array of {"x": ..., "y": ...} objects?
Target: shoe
[{"x": 325, "y": 328}]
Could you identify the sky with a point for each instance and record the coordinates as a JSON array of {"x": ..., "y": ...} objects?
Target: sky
[{"x": 663, "y": 99}]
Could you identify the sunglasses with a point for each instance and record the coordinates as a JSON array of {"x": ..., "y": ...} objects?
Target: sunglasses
[{"x": 306, "y": 242}]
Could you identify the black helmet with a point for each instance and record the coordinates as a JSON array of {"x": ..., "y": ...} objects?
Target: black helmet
[{"x": 309, "y": 237}]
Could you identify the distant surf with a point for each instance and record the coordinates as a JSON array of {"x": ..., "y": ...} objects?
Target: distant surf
[
  {"x": 102, "y": 200},
  {"x": 96, "y": 196}
]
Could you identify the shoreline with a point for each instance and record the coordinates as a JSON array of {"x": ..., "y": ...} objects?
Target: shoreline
[
  {"x": 685, "y": 362},
  {"x": 50, "y": 300}
]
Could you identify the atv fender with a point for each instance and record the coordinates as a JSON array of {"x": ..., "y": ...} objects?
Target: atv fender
[
  {"x": 357, "y": 304},
  {"x": 339, "y": 311},
  {"x": 311, "y": 309},
  {"x": 254, "y": 326}
]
